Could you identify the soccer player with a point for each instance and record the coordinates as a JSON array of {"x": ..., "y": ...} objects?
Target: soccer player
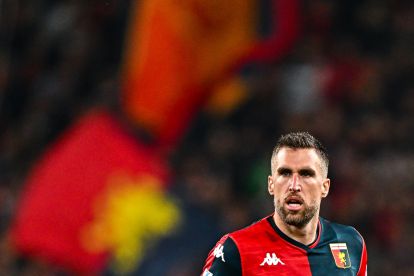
[{"x": 294, "y": 240}]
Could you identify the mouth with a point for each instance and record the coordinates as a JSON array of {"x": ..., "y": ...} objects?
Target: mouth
[{"x": 294, "y": 203}]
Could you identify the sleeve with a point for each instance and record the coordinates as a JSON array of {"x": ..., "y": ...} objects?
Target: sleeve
[
  {"x": 363, "y": 267},
  {"x": 223, "y": 259}
]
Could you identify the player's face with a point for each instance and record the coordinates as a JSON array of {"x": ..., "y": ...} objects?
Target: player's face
[{"x": 298, "y": 185}]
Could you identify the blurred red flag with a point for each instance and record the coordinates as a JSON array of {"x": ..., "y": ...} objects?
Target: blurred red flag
[
  {"x": 178, "y": 50},
  {"x": 83, "y": 190}
]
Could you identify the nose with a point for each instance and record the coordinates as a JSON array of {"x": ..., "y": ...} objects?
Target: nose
[{"x": 294, "y": 185}]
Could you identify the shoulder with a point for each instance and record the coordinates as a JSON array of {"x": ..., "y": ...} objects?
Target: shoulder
[
  {"x": 338, "y": 234},
  {"x": 252, "y": 230},
  {"x": 344, "y": 232},
  {"x": 345, "y": 237},
  {"x": 354, "y": 243},
  {"x": 224, "y": 258},
  {"x": 255, "y": 238}
]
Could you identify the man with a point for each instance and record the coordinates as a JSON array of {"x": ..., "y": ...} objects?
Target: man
[{"x": 294, "y": 240}]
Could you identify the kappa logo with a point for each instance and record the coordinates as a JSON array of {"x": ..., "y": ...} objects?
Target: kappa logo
[
  {"x": 271, "y": 260},
  {"x": 218, "y": 252}
]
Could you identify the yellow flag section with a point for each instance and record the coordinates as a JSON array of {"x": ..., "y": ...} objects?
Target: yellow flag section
[
  {"x": 128, "y": 215},
  {"x": 175, "y": 50}
]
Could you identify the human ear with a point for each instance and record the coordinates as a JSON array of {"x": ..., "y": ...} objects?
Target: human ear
[
  {"x": 325, "y": 187},
  {"x": 270, "y": 184}
]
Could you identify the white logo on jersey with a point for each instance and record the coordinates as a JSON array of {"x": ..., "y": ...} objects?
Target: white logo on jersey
[
  {"x": 218, "y": 252},
  {"x": 272, "y": 260}
]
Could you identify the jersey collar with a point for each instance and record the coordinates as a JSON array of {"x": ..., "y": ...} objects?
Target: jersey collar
[{"x": 292, "y": 241}]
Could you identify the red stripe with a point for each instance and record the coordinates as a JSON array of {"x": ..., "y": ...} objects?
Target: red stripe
[
  {"x": 315, "y": 243},
  {"x": 362, "y": 271}
]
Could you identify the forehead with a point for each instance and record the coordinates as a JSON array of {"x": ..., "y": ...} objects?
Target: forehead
[{"x": 297, "y": 158}]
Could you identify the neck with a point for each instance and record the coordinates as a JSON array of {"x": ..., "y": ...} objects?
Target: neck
[{"x": 305, "y": 235}]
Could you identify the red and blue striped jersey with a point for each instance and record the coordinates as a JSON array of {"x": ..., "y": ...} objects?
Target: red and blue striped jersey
[{"x": 263, "y": 249}]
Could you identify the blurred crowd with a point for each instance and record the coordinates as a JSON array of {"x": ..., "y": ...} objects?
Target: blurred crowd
[{"x": 348, "y": 80}]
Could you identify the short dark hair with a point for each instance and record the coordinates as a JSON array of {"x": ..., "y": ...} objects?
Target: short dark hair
[{"x": 302, "y": 140}]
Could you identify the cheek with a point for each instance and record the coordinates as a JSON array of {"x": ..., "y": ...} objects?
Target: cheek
[
  {"x": 278, "y": 189},
  {"x": 313, "y": 192},
  {"x": 316, "y": 197}
]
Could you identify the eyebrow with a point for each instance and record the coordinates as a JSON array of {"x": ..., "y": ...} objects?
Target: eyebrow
[
  {"x": 309, "y": 171},
  {"x": 282, "y": 170}
]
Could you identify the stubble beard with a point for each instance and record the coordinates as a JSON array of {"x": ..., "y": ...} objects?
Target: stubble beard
[{"x": 298, "y": 219}]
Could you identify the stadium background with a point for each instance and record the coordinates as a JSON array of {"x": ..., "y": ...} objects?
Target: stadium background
[{"x": 347, "y": 78}]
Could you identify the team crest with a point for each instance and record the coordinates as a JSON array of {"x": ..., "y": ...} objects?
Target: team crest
[{"x": 340, "y": 254}]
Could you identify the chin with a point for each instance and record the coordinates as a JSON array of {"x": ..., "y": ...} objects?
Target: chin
[
  {"x": 293, "y": 219},
  {"x": 298, "y": 218}
]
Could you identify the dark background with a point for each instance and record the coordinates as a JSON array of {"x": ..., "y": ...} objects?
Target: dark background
[{"x": 348, "y": 80}]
